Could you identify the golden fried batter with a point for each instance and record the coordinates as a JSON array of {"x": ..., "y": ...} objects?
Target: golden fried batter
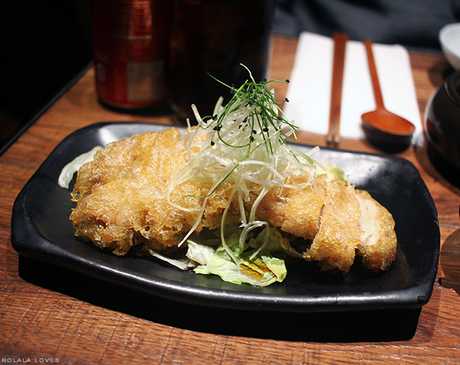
[
  {"x": 378, "y": 240},
  {"x": 295, "y": 211},
  {"x": 122, "y": 201},
  {"x": 121, "y": 195},
  {"x": 339, "y": 235}
]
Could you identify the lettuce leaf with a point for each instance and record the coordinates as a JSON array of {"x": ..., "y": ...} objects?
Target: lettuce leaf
[{"x": 263, "y": 270}]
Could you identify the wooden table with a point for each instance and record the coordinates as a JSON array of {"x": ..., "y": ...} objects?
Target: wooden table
[{"x": 49, "y": 314}]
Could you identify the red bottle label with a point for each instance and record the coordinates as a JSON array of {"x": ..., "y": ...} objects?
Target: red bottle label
[{"x": 130, "y": 40}]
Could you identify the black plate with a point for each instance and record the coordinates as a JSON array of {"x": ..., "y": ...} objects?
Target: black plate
[{"x": 41, "y": 230}]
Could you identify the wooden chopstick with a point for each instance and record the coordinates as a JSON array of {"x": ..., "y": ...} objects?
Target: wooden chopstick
[{"x": 333, "y": 136}]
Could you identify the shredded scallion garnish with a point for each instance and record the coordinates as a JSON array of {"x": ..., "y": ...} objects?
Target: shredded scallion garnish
[{"x": 244, "y": 145}]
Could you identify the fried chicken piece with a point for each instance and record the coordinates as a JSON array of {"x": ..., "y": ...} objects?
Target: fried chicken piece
[
  {"x": 295, "y": 211},
  {"x": 378, "y": 241},
  {"x": 338, "y": 236},
  {"x": 122, "y": 201},
  {"x": 340, "y": 220},
  {"x": 121, "y": 195}
]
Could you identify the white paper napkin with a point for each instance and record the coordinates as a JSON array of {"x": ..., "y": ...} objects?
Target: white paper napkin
[{"x": 309, "y": 90}]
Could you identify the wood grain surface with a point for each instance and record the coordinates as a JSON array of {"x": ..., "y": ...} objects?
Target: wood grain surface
[{"x": 53, "y": 315}]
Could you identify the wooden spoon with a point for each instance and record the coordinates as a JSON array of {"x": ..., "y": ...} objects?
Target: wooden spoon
[{"x": 383, "y": 128}]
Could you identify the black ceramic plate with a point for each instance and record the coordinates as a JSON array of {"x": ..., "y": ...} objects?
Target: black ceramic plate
[{"x": 41, "y": 230}]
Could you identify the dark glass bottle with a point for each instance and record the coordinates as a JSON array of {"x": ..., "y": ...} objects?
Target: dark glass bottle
[{"x": 214, "y": 37}]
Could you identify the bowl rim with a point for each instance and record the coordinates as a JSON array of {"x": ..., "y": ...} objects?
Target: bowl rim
[{"x": 443, "y": 40}]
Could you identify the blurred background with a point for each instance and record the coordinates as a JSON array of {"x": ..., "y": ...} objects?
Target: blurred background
[
  {"x": 45, "y": 45},
  {"x": 412, "y": 23}
]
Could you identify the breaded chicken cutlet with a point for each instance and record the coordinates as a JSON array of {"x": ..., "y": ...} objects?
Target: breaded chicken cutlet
[{"x": 122, "y": 201}]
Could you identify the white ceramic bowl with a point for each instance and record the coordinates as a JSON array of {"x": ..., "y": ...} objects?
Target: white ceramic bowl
[{"x": 449, "y": 36}]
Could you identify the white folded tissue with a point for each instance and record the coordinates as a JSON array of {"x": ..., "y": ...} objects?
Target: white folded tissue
[{"x": 309, "y": 89}]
